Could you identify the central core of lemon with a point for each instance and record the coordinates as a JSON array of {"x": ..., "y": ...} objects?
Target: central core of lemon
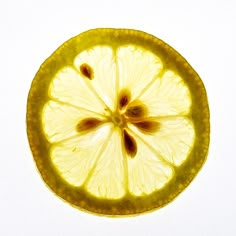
[
  {"x": 118, "y": 119},
  {"x": 126, "y": 112}
]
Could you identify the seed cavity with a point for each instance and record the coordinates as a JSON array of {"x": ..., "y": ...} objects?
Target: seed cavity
[
  {"x": 136, "y": 110},
  {"x": 124, "y": 98},
  {"x": 130, "y": 144},
  {"x": 148, "y": 127},
  {"x": 88, "y": 124},
  {"x": 87, "y": 71}
]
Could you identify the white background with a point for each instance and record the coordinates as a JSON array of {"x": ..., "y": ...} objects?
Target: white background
[{"x": 202, "y": 31}]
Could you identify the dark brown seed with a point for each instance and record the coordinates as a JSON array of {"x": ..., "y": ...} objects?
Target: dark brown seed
[
  {"x": 129, "y": 144},
  {"x": 87, "y": 71},
  {"x": 136, "y": 111},
  {"x": 124, "y": 98},
  {"x": 124, "y": 101},
  {"x": 88, "y": 124},
  {"x": 149, "y": 127}
]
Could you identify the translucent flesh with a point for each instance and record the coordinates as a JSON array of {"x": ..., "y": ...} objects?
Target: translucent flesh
[{"x": 97, "y": 160}]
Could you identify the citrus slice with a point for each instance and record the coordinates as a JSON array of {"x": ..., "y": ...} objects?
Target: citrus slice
[{"x": 118, "y": 122}]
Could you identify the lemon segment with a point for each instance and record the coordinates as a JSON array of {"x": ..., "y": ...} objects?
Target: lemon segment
[
  {"x": 173, "y": 141},
  {"x": 109, "y": 179},
  {"x": 101, "y": 59},
  {"x": 147, "y": 171},
  {"x": 69, "y": 86},
  {"x": 59, "y": 120},
  {"x": 137, "y": 68},
  {"x": 168, "y": 95},
  {"x": 75, "y": 159}
]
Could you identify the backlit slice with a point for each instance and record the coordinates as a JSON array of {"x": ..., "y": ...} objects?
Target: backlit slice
[
  {"x": 147, "y": 172},
  {"x": 100, "y": 60},
  {"x": 118, "y": 122},
  {"x": 69, "y": 86},
  {"x": 173, "y": 140},
  {"x": 168, "y": 95},
  {"x": 137, "y": 67},
  {"x": 60, "y": 120},
  {"x": 76, "y": 157},
  {"x": 108, "y": 180}
]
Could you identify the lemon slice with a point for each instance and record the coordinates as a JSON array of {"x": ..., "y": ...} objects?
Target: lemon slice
[{"x": 118, "y": 122}]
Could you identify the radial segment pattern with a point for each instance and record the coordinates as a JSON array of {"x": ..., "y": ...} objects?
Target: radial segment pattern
[{"x": 118, "y": 122}]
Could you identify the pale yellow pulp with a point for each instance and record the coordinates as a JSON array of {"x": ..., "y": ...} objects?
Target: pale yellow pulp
[{"x": 96, "y": 160}]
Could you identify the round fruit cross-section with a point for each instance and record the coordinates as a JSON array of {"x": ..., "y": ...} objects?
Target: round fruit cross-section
[{"x": 118, "y": 122}]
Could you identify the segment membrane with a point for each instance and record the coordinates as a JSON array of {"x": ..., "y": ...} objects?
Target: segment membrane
[
  {"x": 69, "y": 86},
  {"x": 173, "y": 141},
  {"x": 107, "y": 180},
  {"x": 147, "y": 172},
  {"x": 101, "y": 59},
  {"x": 137, "y": 67},
  {"x": 60, "y": 120},
  {"x": 76, "y": 157},
  {"x": 167, "y": 95}
]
